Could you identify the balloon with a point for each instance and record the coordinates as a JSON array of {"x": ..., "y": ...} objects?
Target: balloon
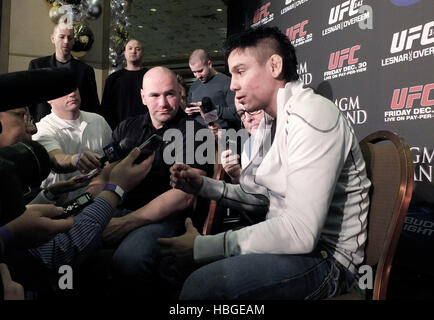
[
  {"x": 55, "y": 14},
  {"x": 94, "y": 11},
  {"x": 84, "y": 39}
]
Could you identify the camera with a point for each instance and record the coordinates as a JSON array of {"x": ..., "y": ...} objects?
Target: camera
[
  {"x": 22, "y": 165},
  {"x": 26, "y": 164}
]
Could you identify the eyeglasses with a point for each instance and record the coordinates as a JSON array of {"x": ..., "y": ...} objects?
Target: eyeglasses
[
  {"x": 25, "y": 116},
  {"x": 242, "y": 113}
]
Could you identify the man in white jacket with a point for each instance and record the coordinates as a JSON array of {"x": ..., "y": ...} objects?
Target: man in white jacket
[{"x": 306, "y": 172}]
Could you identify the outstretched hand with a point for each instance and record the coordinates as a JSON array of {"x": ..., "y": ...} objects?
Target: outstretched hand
[
  {"x": 86, "y": 161},
  {"x": 127, "y": 175}
]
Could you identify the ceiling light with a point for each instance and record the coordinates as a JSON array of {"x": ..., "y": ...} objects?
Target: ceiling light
[
  {"x": 140, "y": 27},
  {"x": 163, "y": 56},
  {"x": 219, "y": 10},
  {"x": 153, "y": 9}
]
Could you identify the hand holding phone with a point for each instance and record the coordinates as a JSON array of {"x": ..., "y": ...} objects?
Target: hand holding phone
[
  {"x": 148, "y": 147},
  {"x": 193, "y": 107},
  {"x": 88, "y": 176}
]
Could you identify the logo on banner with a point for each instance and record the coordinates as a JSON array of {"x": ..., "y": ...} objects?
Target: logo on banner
[
  {"x": 404, "y": 3},
  {"x": 406, "y": 40},
  {"x": 298, "y": 35},
  {"x": 422, "y": 160},
  {"x": 404, "y": 100},
  {"x": 262, "y": 15},
  {"x": 344, "y": 63},
  {"x": 347, "y": 14},
  {"x": 292, "y": 4},
  {"x": 304, "y": 74},
  {"x": 350, "y": 107}
]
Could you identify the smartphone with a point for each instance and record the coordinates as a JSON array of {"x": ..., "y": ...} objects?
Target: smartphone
[
  {"x": 149, "y": 146},
  {"x": 231, "y": 145},
  {"x": 75, "y": 206},
  {"x": 84, "y": 177}
]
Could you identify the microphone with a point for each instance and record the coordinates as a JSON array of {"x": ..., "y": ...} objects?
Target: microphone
[
  {"x": 209, "y": 111},
  {"x": 20, "y": 89},
  {"x": 117, "y": 151}
]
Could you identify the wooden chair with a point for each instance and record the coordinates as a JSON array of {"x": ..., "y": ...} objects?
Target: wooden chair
[
  {"x": 390, "y": 168},
  {"x": 219, "y": 174}
]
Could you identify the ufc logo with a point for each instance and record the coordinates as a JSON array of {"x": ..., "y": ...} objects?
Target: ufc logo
[
  {"x": 261, "y": 12},
  {"x": 406, "y": 37},
  {"x": 338, "y": 58},
  {"x": 297, "y": 29},
  {"x": 407, "y": 96},
  {"x": 337, "y": 13}
]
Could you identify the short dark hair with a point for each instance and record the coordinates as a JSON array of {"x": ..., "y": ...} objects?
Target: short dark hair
[{"x": 280, "y": 45}]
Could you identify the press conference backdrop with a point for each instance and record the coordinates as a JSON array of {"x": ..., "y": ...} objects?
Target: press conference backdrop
[{"x": 375, "y": 60}]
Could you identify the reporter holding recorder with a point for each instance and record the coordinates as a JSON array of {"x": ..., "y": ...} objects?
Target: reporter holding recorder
[
  {"x": 34, "y": 225},
  {"x": 73, "y": 246},
  {"x": 35, "y": 228}
]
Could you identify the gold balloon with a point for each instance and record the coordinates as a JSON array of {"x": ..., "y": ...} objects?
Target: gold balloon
[
  {"x": 84, "y": 39},
  {"x": 55, "y": 14}
]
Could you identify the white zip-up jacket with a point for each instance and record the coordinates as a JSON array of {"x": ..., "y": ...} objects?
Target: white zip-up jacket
[{"x": 311, "y": 182}]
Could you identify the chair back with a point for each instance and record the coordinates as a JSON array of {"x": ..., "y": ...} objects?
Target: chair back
[
  {"x": 219, "y": 174},
  {"x": 390, "y": 168}
]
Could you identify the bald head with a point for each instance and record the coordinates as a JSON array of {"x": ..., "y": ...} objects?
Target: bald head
[
  {"x": 157, "y": 73},
  {"x": 199, "y": 55},
  {"x": 161, "y": 95},
  {"x": 134, "y": 42},
  {"x": 134, "y": 54},
  {"x": 201, "y": 65},
  {"x": 59, "y": 27}
]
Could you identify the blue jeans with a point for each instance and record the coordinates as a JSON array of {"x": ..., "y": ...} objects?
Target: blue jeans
[
  {"x": 138, "y": 255},
  {"x": 269, "y": 277}
]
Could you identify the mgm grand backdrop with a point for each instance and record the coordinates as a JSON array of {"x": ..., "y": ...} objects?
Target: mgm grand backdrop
[{"x": 375, "y": 60}]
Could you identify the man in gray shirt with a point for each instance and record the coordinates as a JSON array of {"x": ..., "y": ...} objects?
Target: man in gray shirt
[{"x": 214, "y": 85}]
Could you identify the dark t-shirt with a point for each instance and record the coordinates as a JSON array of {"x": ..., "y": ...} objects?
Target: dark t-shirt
[
  {"x": 218, "y": 90},
  {"x": 63, "y": 64},
  {"x": 121, "y": 98},
  {"x": 134, "y": 131}
]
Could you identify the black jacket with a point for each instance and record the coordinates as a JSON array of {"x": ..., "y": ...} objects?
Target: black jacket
[{"x": 86, "y": 85}]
